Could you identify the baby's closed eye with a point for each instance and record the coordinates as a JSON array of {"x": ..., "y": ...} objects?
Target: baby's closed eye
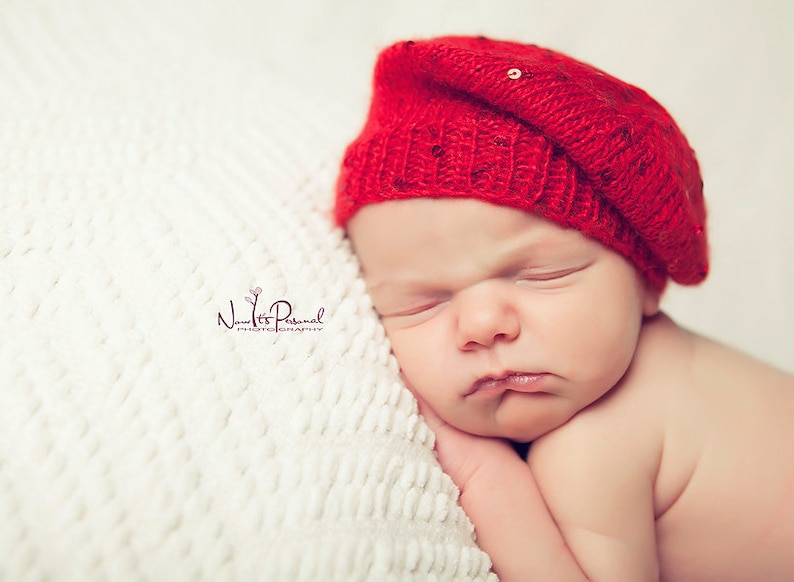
[
  {"x": 544, "y": 278},
  {"x": 410, "y": 310}
]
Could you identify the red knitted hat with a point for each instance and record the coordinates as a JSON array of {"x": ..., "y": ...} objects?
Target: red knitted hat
[{"x": 530, "y": 128}]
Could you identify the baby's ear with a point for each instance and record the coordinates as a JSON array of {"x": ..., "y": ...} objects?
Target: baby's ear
[{"x": 651, "y": 300}]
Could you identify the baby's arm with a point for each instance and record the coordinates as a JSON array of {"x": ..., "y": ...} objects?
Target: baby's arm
[
  {"x": 587, "y": 516},
  {"x": 597, "y": 476},
  {"x": 500, "y": 496}
]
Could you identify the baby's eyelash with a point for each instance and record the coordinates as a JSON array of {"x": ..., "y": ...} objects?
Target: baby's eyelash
[
  {"x": 550, "y": 275},
  {"x": 416, "y": 309},
  {"x": 535, "y": 276}
]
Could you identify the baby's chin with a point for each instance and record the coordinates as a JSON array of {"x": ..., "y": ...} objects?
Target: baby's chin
[
  {"x": 521, "y": 436},
  {"x": 517, "y": 434},
  {"x": 519, "y": 429}
]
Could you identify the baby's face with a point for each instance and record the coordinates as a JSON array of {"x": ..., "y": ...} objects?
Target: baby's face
[{"x": 506, "y": 323}]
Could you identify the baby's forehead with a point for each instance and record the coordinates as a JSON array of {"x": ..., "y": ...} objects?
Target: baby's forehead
[
  {"x": 445, "y": 215},
  {"x": 414, "y": 231}
]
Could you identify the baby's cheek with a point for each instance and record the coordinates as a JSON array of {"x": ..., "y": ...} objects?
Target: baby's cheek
[
  {"x": 412, "y": 362},
  {"x": 420, "y": 376},
  {"x": 417, "y": 377},
  {"x": 425, "y": 367}
]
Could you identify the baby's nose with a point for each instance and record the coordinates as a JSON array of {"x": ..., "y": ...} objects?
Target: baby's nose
[{"x": 485, "y": 316}]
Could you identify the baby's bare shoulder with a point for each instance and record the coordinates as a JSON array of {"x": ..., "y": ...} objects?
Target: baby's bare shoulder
[{"x": 727, "y": 460}]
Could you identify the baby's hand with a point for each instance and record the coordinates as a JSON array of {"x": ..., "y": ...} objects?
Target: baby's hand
[{"x": 462, "y": 455}]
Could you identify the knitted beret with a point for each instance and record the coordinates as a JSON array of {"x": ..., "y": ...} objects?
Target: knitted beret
[{"x": 526, "y": 127}]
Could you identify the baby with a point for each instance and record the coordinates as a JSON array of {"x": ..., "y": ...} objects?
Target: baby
[{"x": 517, "y": 215}]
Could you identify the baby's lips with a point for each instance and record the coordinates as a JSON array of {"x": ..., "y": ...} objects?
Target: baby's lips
[{"x": 526, "y": 382}]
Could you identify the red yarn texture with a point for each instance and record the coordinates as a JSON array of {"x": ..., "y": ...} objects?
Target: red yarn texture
[{"x": 526, "y": 127}]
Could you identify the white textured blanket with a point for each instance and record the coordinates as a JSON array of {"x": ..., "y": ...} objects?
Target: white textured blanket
[{"x": 157, "y": 191}]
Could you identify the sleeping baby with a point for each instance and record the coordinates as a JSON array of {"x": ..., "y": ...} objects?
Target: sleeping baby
[{"x": 517, "y": 215}]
